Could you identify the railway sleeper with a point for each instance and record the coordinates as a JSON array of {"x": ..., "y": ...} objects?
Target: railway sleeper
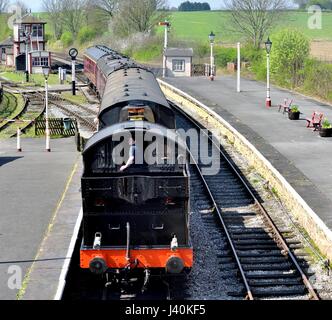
[
  {"x": 272, "y": 275},
  {"x": 239, "y": 231},
  {"x": 260, "y": 259},
  {"x": 272, "y": 246},
  {"x": 267, "y": 267},
  {"x": 250, "y": 242},
  {"x": 280, "y": 292},
  {"x": 259, "y": 253},
  {"x": 274, "y": 282},
  {"x": 235, "y": 214},
  {"x": 261, "y": 236}
]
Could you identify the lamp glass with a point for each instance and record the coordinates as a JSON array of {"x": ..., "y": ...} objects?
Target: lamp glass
[
  {"x": 268, "y": 45},
  {"x": 46, "y": 72},
  {"x": 212, "y": 37}
]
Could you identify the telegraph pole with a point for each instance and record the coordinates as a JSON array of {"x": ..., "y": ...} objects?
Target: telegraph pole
[{"x": 167, "y": 25}]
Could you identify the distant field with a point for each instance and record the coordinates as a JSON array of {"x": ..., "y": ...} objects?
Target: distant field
[
  {"x": 198, "y": 25},
  {"x": 4, "y": 30}
]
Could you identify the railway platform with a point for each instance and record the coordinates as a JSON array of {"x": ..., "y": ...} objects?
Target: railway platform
[
  {"x": 299, "y": 154},
  {"x": 40, "y": 204}
]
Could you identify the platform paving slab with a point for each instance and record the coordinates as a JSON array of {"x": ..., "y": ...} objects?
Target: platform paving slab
[
  {"x": 31, "y": 186},
  {"x": 43, "y": 281},
  {"x": 298, "y": 153}
]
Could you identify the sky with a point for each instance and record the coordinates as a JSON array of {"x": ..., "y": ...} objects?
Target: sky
[{"x": 36, "y": 5}]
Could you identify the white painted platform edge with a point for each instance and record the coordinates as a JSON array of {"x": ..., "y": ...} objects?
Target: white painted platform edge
[
  {"x": 66, "y": 264},
  {"x": 313, "y": 215}
]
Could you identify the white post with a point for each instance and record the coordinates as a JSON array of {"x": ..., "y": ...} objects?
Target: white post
[
  {"x": 47, "y": 131},
  {"x": 165, "y": 48},
  {"x": 268, "y": 91},
  {"x": 19, "y": 148},
  {"x": 166, "y": 36},
  {"x": 238, "y": 67},
  {"x": 212, "y": 63}
]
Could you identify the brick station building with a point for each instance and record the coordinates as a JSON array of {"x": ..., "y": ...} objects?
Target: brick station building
[{"x": 29, "y": 36}]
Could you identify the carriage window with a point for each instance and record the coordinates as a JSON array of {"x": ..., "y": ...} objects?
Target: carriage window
[{"x": 134, "y": 113}]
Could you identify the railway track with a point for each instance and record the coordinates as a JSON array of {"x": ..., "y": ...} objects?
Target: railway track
[
  {"x": 256, "y": 250},
  {"x": 84, "y": 115}
]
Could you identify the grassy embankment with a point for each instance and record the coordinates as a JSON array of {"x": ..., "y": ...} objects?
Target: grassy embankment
[{"x": 10, "y": 107}]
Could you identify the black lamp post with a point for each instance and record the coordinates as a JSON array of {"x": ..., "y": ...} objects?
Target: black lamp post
[
  {"x": 268, "y": 47},
  {"x": 26, "y": 36}
]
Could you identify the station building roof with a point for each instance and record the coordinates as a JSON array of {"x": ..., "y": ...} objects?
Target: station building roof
[{"x": 179, "y": 52}]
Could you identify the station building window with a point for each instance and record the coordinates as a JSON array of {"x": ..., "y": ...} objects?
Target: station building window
[
  {"x": 178, "y": 65},
  {"x": 40, "y": 61}
]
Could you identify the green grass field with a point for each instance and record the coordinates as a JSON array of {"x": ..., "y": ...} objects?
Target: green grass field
[
  {"x": 35, "y": 79},
  {"x": 5, "y": 32},
  {"x": 197, "y": 26}
]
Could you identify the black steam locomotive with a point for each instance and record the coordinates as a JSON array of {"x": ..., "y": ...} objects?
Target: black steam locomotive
[{"x": 135, "y": 185}]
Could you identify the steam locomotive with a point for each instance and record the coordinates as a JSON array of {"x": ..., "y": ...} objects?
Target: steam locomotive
[{"x": 135, "y": 208}]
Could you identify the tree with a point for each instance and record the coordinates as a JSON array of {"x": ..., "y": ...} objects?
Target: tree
[
  {"x": 108, "y": 6},
  {"x": 290, "y": 50},
  {"x": 254, "y": 18},
  {"x": 20, "y": 4},
  {"x": 194, "y": 6},
  {"x": 136, "y": 16},
  {"x": 301, "y": 3},
  {"x": 3, "y": 5},
  {"x": 324, "y": 4},
  {"x": 54, "y": 9},
  {"x": 73, "y": 15}
]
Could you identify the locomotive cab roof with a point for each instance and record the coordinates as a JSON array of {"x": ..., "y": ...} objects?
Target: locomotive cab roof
[{"x": 138, "y": 126}]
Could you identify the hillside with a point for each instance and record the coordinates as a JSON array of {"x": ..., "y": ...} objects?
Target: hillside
[
  {"x": 4, "y": 30},
  {"x": 198, "y": 25}
]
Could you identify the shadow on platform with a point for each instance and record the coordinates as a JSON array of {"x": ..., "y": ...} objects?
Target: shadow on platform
[{"x": 6, "y": 160}]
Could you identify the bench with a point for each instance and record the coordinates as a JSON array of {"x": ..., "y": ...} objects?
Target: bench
[
  {"x": 315, "y": 121},
  {"x": 286, "y": 106}
]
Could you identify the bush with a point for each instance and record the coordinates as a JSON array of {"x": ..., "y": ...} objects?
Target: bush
[
  {"x": 225, "y": 55},
  {"x": 251, "y": 54},
  {"x": 147, "y": 53},
  {"x": 86, "y": 34},
  {"x": 67, "y": 39},
  {"x": 289, "y": 52},
  {"x": 317, "y": 78}
]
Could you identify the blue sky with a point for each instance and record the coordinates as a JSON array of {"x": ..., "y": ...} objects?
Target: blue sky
[{"x": 36, "y": 5}]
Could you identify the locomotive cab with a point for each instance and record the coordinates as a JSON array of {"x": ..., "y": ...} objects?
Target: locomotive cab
[{"x": 136, "y": 218}]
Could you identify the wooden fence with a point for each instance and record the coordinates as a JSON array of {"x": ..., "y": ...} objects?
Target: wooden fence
[{"x": 57, "y": 127}]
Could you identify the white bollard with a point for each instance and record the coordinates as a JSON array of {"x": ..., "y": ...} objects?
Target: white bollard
[{"x": 19, "y": 148}]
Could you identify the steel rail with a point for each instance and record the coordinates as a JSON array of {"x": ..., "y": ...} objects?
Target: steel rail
[
  {"x": 276, "y": 233},
  {"x": 55, "y": 97},
  {"x": 89, "y": 124}
]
